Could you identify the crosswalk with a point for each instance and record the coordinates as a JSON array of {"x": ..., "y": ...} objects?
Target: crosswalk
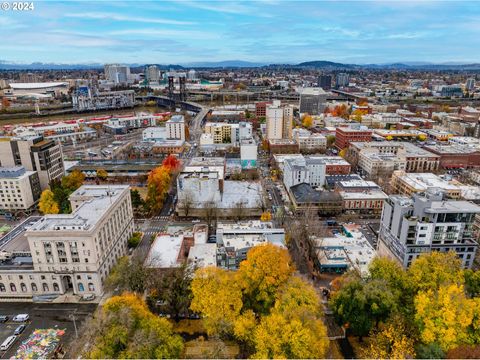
[{"x": 164, "y": 218}]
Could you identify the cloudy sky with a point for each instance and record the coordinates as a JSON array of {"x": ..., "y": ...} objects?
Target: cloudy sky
[{"x": 270, "y": 31}]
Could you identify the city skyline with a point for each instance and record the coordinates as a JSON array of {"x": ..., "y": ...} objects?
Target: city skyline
[{"x": 269, "y": 31}]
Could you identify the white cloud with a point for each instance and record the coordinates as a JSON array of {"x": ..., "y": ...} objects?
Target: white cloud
[{"x": 118, "y": 17}]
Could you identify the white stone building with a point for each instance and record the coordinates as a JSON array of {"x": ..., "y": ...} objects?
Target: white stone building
[{"x": 68, "y": 253}]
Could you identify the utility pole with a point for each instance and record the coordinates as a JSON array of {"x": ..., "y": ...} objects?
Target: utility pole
[{"x": 72, "y": 317}]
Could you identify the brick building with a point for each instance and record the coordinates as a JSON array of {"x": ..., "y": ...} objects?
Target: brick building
[{"x": 345, "y": 135}]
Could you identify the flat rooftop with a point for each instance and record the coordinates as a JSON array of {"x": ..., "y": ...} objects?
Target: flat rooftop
[
  {"x": 423, "y": 181},
  {"x": 453, "y": 206},
  {"x": 97, "y": 201},
  {"x": 15, "y": 240}
]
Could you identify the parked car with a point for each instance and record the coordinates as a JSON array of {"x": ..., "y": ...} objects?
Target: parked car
[
  {"x": 19, "y": 329},
  {"x": 21, "y": 318},
  {"x": 88, "y": 297},
  {"x": 3, "y": 318}
]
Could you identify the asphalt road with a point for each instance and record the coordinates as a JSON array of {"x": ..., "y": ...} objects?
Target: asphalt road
[{"x": 42, "y": 316}]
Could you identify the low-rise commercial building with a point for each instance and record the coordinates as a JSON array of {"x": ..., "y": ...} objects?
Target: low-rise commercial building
[
  {"x": 411, "y": 183},
  {"x": 349, "y": 251}
]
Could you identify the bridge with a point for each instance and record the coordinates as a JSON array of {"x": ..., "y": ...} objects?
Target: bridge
[
  {"x": 195, "y": 125},
  {"x": 348, "y": 95}
]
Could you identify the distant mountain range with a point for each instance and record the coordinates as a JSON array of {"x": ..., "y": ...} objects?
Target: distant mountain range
[{"x": 317, "y": 64}]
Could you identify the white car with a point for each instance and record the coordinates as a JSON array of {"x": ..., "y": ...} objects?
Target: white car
[{"x": 21, "y": 318}]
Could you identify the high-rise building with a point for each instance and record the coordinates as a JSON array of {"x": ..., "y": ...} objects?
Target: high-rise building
[
  {"x": 176, "y": 128},
  {"x": 312, "y": 101},
  {"x": 192, "y": 75},
  {"x": 342, "y": 79},
  {"x": 325, "y": 82},
  {"x": 34, "y": 153},
  {"x": 152, "y": 74},
  {"x": 279, "y": 121},
  {"x": 470, "y": 84},
  {"x": 427, "y": 222},
  {"x": 118, "y": 74}
]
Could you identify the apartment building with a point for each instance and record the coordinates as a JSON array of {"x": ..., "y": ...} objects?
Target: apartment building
[
  {"x": 226, "y": 133},
  {"x": 68, "y": 253},
  {"x": 176, "y": 128},
  {"x": 19, "y": 189},
  {"x": 279, "y": 121},
  {"x": 411, "y": 226},
  {"x": 309, "y": 170},
  {"x": 410, "y": 183},
  {"x": 34, "y": 153}
]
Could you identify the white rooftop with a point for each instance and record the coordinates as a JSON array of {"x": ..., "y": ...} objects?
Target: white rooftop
[{"x": 97, "y": 199}]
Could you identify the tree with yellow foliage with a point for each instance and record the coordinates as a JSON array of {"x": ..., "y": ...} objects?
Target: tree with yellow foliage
[
  {"x": 125, "y": 328},
  {"x": 293, "y": 329},
  {"x": 266, "y": 268},
  {"x": 102, "y": 174},
  {"x": 266, "y": 216},
  {"x": 217, "y": 296},
  {"x": 390, "y": 341},
  {"x": 343, "y": 153},
  {"x": 73, "y": 181},
  {"x": 307, "y": 121},
  {"x": 47, "y": 203},
  {"x": 444, "y": 316},
  {"x": 421, "y": 137},
  {"x": 389, "y": 138},
  {"x": 430, "y": 271},
  {"x": 280, "y": 337}
]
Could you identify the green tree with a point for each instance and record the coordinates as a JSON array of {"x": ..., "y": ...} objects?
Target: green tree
[
  {"x": 361, "y": 306},
  {"x": 134, "y": 240},
  {"x": 173, "y": 289},
  {"x": 472, "y": 282},
  {"x": 429, "y": 351},
  {"x": 47, "y": 203},
  {"x": 129, "y": 274},
  {"x": 137, "y": 201}
]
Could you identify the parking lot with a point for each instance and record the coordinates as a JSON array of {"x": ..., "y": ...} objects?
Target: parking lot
[{"x": 42, "y": 316}]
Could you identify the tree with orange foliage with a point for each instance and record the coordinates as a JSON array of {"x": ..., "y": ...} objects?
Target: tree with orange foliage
[
  {"x": 172, "y": 163},
  {"x": 5, "y": 103},
  {"x": 158, "y": 183}
]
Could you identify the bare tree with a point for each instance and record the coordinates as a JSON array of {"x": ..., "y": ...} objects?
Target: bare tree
[
  {"x": 238, "y": 210},
  {"x": 210, "y": 212},
  {"x": 186, "y": 203}
]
